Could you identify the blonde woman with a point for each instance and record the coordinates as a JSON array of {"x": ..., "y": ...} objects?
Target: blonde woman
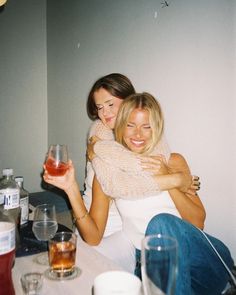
[{"x": 173, "y": 212}]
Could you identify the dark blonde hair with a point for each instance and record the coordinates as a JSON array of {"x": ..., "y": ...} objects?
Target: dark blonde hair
[
  {"x": 116, "y": 84},
  {"x": 146, "y": 102}
]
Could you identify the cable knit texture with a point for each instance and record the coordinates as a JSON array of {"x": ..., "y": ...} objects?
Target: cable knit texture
[{"x": 118, "y": 170}]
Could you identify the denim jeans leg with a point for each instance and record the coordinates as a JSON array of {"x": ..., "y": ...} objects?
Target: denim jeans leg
[
  {"x": 137, "y": 270},
  {"x": 200, "y": 272}
]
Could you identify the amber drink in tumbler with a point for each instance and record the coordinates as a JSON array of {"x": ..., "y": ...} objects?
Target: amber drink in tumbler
[{"x": 62, "y": 254}]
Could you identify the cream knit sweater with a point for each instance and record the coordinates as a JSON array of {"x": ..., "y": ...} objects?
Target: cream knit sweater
[{"x": 118, "y": 170}]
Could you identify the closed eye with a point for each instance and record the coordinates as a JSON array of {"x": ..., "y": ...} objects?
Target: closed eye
[
  {"x": 100, "y": 107},
  {"x": 130, "y": 125}
]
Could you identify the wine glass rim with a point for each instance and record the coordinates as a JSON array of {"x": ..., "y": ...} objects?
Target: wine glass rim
[
  {"x": 66, "y": 232},
  {"x": 64, "y": 235},
  {"x": 58, "y": 145},
  {"x": 44, "y": 205},
  {"x": 44, "y": 208},
  {"x": 172, "y": 242}
]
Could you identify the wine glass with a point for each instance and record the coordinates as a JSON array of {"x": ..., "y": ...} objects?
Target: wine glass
[
  {"x": 159, "y": 264},
  {"x": 44, "y": 226},
  {"x": 57, "y": 159}
]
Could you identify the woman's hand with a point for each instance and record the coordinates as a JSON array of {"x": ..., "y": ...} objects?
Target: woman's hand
[
  {"x": 195, "y": 184},
  {"x": 63, "y": 182},
  {"x": 185, "y": 182},
  {"x": 90, "y": 147},
  {"x": 156, "y": 165},
  {"x": 188, "y": 183}
]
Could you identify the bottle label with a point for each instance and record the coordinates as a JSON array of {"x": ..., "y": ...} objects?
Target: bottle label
[
  {"x": 24, "y": 204},
  {"x": 7, "y": 237},
  {"x": 11, "y": 198},
  {"x": 1, "y": 199}
]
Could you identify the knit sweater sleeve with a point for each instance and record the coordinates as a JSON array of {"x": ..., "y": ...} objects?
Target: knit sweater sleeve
[
  {"x": 118, "y": 183},
  {"x": 118, "y": 156},
  {"x": 100, "y": 130},
  {"x": 118, "y": 170}
]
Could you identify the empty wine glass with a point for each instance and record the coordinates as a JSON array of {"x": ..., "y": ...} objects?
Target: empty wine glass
[
  {"x": 44, "y": 226},
  {"x": 57, "y": 160},
  {"x": 159, "y": 264}
]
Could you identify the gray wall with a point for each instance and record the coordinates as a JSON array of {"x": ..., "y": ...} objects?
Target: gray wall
[
  {"x": 23, "y": 89},
  {"x": 184, "y": 54}
]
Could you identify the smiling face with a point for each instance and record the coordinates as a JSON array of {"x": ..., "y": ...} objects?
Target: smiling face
[
  {"x": 139, "y": 123},
  {"x": 138, "y": 133},
  {"x": 107, "y": 106}
]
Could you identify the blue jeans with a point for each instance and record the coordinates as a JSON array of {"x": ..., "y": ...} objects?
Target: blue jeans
[{"x": 200, "y": 272}]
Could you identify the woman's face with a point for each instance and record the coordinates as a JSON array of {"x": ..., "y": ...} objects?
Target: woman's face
[
  {"x": 138, "y": 132},
  {"x": 108, "y": 107}
]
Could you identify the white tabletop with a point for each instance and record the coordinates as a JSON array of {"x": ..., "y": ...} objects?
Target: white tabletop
[{"x": 88, "y": 260}]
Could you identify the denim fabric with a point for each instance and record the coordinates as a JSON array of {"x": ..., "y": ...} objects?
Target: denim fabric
[{"x": 200, "y": 272}]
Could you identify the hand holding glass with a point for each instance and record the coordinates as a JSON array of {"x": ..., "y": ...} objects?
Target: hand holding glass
[
  {"x": 57, "y": 160},
  {"x": 159, "y": 264}
]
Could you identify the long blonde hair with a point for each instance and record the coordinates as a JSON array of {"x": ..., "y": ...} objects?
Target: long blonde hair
[{"x": 147, "y": 102}]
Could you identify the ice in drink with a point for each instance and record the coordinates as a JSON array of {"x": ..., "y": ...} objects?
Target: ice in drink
[{"x": 62, "y": 254}]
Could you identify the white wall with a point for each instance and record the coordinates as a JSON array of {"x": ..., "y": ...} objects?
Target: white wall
[
  {"x": 184, "y": 54},
  {"x": 23, "y": 89}
]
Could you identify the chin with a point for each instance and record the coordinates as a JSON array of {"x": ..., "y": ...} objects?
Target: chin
[
  {"x": 110, "y": 124},
  {"x": 136, "y": 150}
]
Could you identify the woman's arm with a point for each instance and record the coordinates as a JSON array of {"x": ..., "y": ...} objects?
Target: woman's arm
[
  {"x": 175, "y": 177},
  {"x": 118, "y": 169},
  {"x": 189, "y": 206},
  {"x": 179, "y": 177},
  {"x": 91, "y": 225}
]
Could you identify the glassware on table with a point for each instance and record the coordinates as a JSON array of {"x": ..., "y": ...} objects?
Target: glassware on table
[
  {"x": 57, "y": 160},
  {"x": 159, "y": 264},
  {"x": 32, "y": 283},
  {"x": 62, "y": 257},
  {"x": 44, "y": 226}
]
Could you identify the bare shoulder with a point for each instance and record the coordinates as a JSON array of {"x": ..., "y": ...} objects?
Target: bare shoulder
[
  {"x": 177, "y": 157},
  {"x": 177, "y": 160}
]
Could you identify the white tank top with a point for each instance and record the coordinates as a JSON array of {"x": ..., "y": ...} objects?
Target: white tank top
[
  {"x": 114, "y": 222},
  {"x": 136, "y": 214}
]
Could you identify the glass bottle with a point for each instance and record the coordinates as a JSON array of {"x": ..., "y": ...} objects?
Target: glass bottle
[
  {"x": 24, "y": 200},
  {"x": 7, "y": 253},
  {"x": 10, "y": 199}
]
